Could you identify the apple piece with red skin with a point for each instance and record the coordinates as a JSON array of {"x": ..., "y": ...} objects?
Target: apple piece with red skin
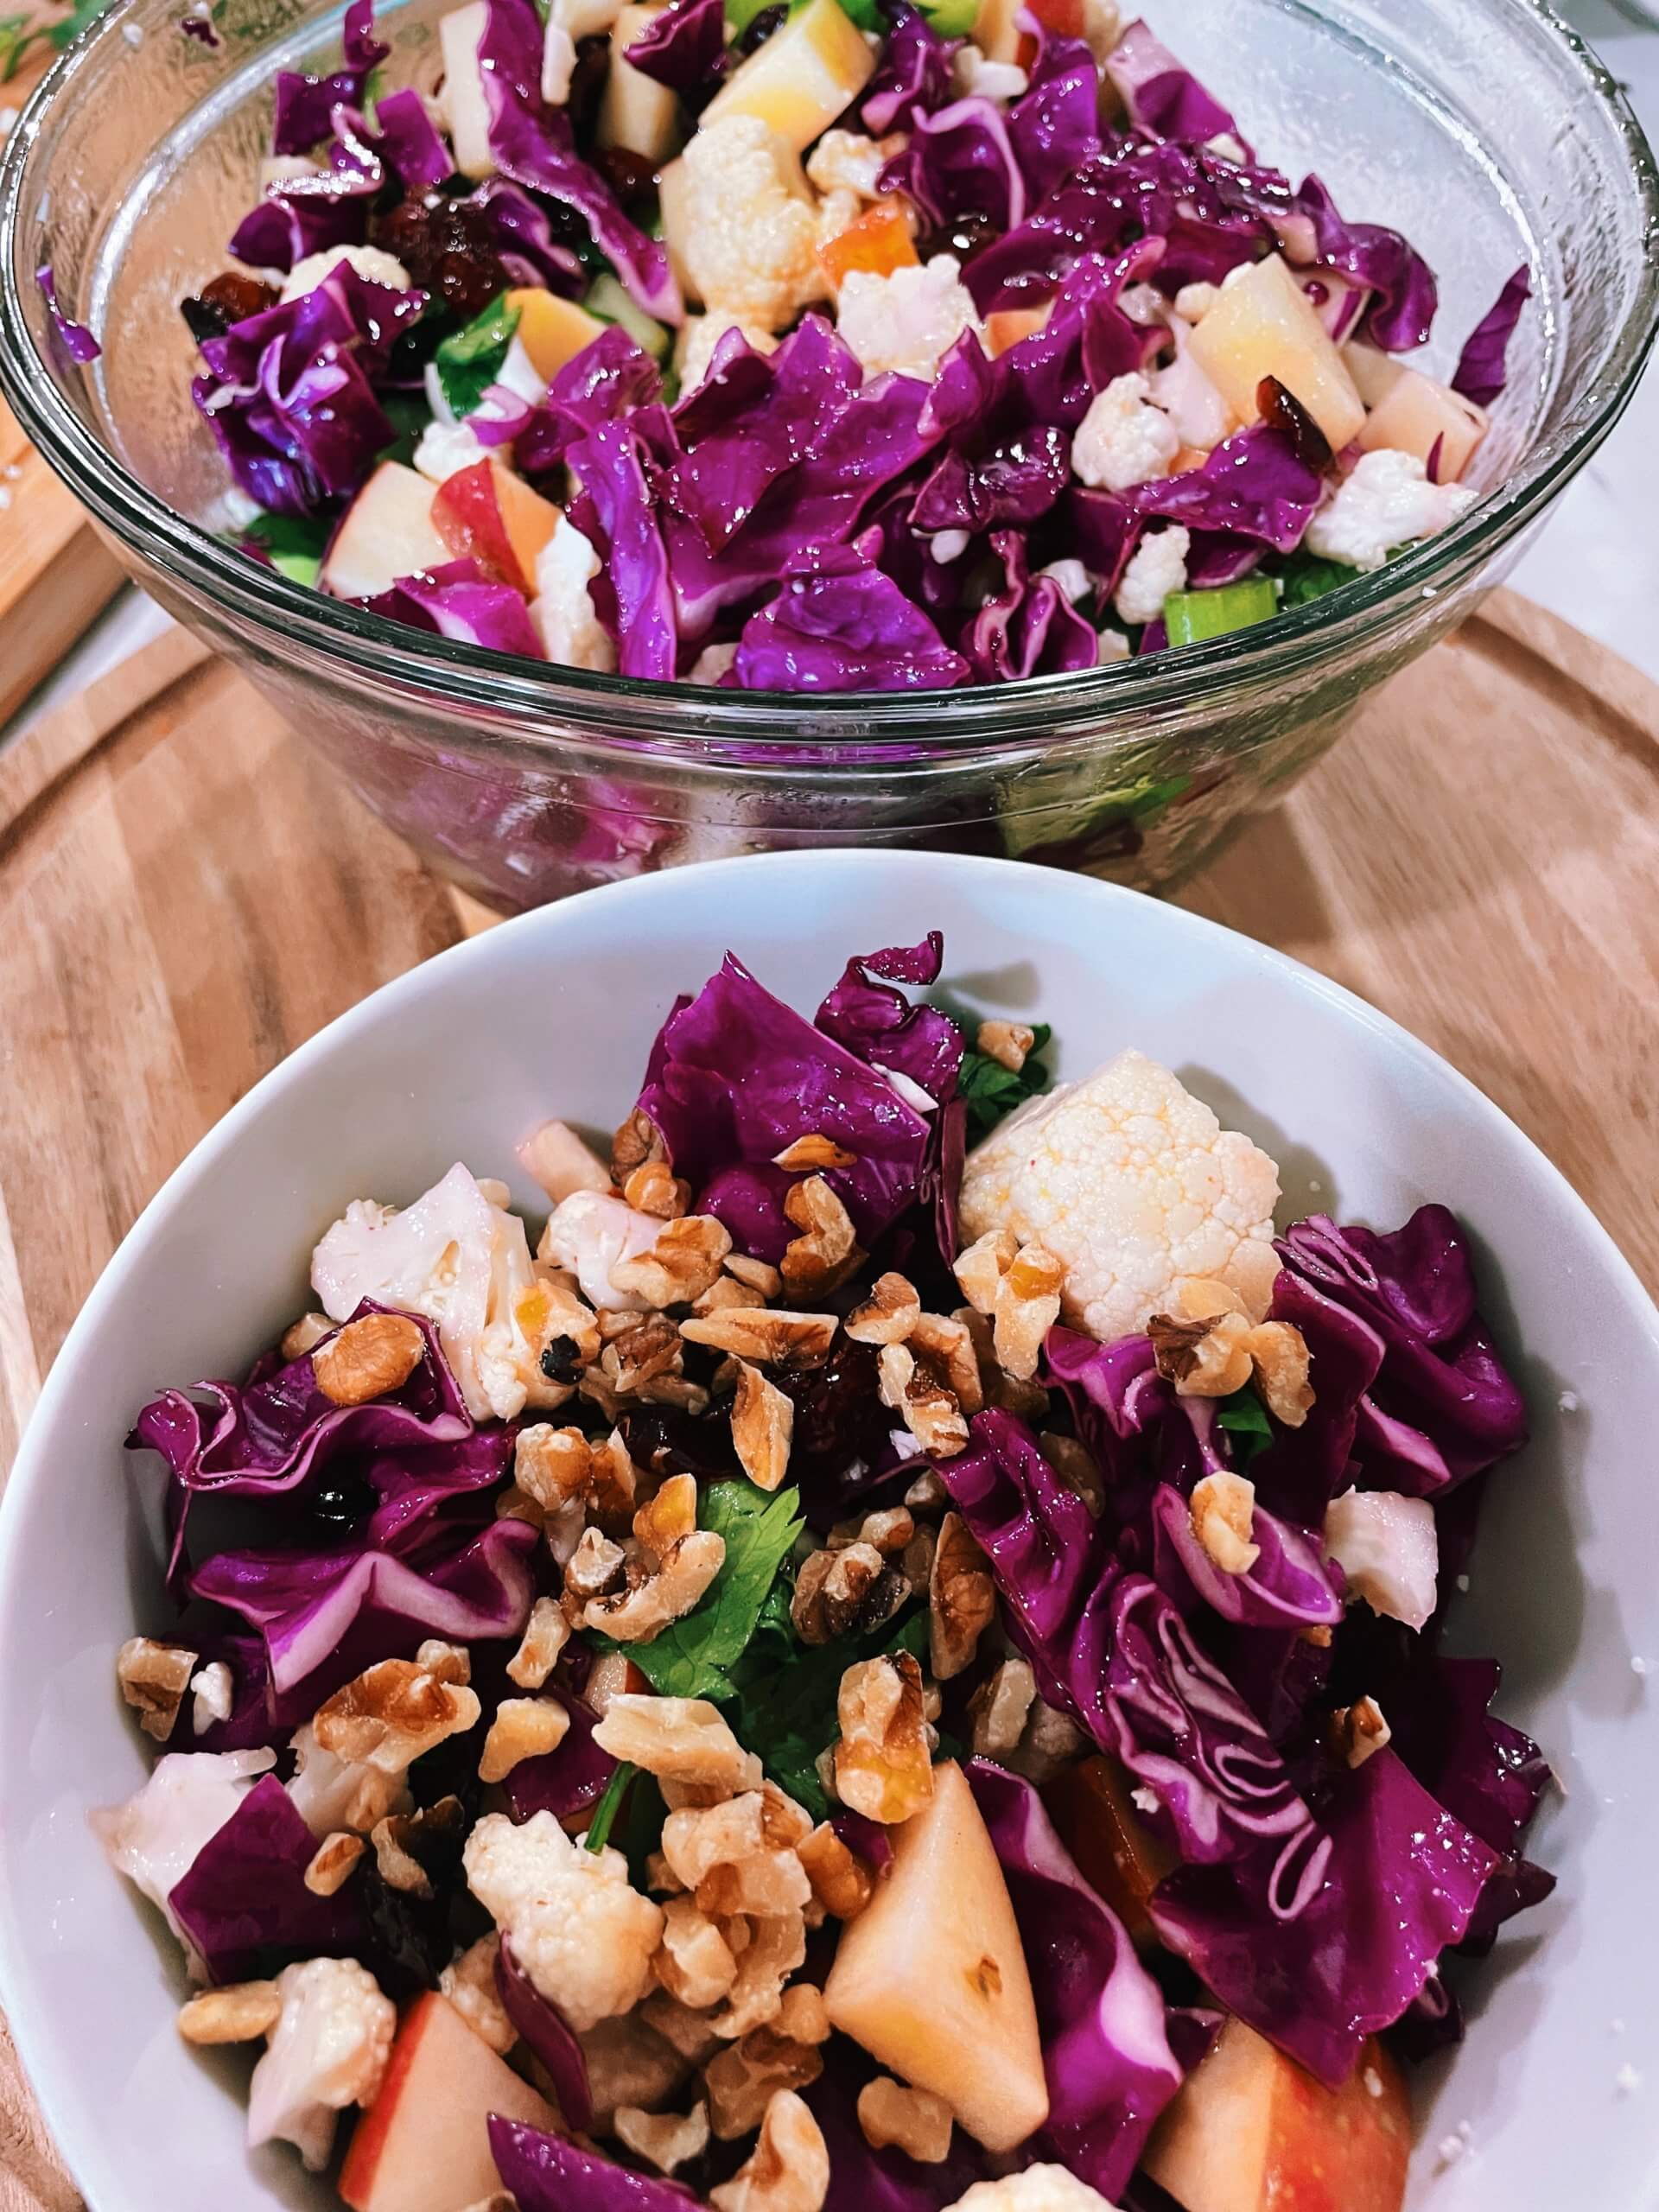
[
  {"x": 1091, "y": 1806},
  {"x": 1250, "y": 2132},
  {"x": 388, "y": 531},
  {"x": 423, "y": 2145},
  {"x": 487, "y": 514}
]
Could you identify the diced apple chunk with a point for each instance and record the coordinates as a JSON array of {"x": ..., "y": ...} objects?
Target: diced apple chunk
[
  {"x": 466, "y": 104},
  {"x": 389, "y": 531},
  {"x": 636, "y": 112},
  {"x": 1098, "y": 1824},
  {"x": 423, "y": 2145},
  {"x": 552, "y": 331},
  {"x": 932, "y": 1979},
  {"x": 877, "y": 242},
  {"x": 1263, "y": 324},
  {"x": 1373, "y": 371},
  {"x": 1416, "y": 415},
  {"x": 1250, "y": 2132},
  {"x": 806, "y": 75},
  {"x": 487, "y": 514}
]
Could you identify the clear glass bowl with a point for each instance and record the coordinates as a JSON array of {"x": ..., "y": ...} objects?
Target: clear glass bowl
[{"x": 1484, "y": 129}]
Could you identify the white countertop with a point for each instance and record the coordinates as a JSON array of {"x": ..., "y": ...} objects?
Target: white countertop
[{"x": 1596, "y": 563}]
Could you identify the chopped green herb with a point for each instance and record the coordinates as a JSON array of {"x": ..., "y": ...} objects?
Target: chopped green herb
[
  {"x": 946, "y": 18},
  {"x": 787, "y": 1699},
  {"x": 20, "y": 35},
  {"x": 1306, "y": 576},
  {"x": 604, "y": 1813},
  {"x": 991, "y": 1091},
  {"x": 1245, "y": 1420},
  {"x": 469, "y": 360},
  {"x": 292, "y": 543},
  {"x": 695, "y": 1656}
]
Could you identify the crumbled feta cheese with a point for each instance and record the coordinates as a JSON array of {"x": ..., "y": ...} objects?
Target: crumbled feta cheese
[
  {"x": 751, "y": 229},
  {"x": 1144, "y": 1800},
  {"x": 1388, "y": 501},
  {"x": 155, "y": 1837},
  {"x": 846, "y": 161},
  {"x": 1463, "y": 1582},
  {"x": 588, "y": 1233},
  {"x": 973, "y": 73},
  {"x": 563, "y": 610},
  {"x": 1157, "y": 567},
  {"x": 712, "y": 663},
  {"x": 445, "y": 448},
  {"x": 907, "y": 320},
  {"x": 567, "y": 22},
  {"x": 694, "y": 347},
  {"x": 327, "y": 2051},
  {"x": 580, "y": 1932},
  {"x": 1132, "y": 1183},
  {"x": 213, "y": 1688},
  {"x": 1373, "y": 2083},
  {"x": 1388, "y": 1548},
  {"x": 1194, "y": 301},
  {"x": 1073, "y": 579},
  {"x": 1124, "y": 439},
  {"x": 948, "y": 545},
  {"x": 1114, "y": 645},
  {"x": 373, "y": 266},
  {"x": 1039, "y": 2188}
]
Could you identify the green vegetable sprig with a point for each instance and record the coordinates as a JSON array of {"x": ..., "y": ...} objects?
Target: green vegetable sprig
[
  {"x": 1245, "y": 1420},
  {"x": 694, "y": 1656},
  {"x": 991, "y": 1091},
  {"x": 469, "y": 360},
  {"x": 20, "y": 35}
]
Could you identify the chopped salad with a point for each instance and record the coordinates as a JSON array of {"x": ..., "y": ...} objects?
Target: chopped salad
[
  {"x": 844, "y": 345},
  {"x": 886, "y": 1657}
]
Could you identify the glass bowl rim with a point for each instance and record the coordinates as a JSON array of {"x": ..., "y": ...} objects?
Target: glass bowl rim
[{"x": 511, "y": 689}]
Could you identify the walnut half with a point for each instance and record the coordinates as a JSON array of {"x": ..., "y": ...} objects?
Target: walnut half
[
  {"x": 789, "y": 2169},
  {"x": 961, "y": 1599},
  {"x": 154, "y": 1678},
  {"x": 883, "y": 1766}
]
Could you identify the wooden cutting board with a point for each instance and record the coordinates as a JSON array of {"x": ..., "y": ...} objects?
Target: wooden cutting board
[{"x": 185, "y": 894}]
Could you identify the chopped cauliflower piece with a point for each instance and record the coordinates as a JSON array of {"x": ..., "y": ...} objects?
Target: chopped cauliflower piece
[
  {"x": 459, "y": 1258},
  {"x": 973, "y": 72},
  {"x": 468, "y": 1981},
  {"x": 751, "y": 227},
  {"x": 372, "y": 265},
  {"x": 563, "y": 609},
  {"x": 1194, "y": 301},
  {"x": 1114, "y": 646},
  {"x": 907, "y": 320},
  {"x": 568, "y": 20},
  {"x": 590, "y": 1233},
  {"x": 1037, "y": 2188},
  {"x": 1157, "y": 567},
  {"x": 154, "y": 1838},
  {"x": 1073, "y": 579},
  {"x": 846, "y": 161},
  {"x": 327, "y": 2051},
  {"x": 1388, "y": 1548},
  {"x": 1133, "y": 1183},
  {"x": 1201, "y": 416},
  {"x": 1387, "y": 501},
  {"x": 445, "y": 448},
  {"x": 584, "y": 1936},
  {"x": 1125, "y": 439},
  {"x": 694, "y": 347}
]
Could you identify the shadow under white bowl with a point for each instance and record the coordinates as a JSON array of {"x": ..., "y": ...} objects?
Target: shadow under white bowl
[{"x": 553, "y": 1014}]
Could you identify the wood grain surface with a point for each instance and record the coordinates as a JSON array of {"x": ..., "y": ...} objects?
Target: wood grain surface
[{"x": 185, "y": 894}]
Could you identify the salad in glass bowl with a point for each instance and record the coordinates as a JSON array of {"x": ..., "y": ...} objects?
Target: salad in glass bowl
[
  {"x": 895, "y": 1658},
  {"x": 837, "y": 347}
]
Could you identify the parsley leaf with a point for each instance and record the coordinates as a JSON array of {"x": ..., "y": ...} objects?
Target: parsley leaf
[
  {"x": 470, "y": 360},
  {"x": 786, "y": 1709},
  {"x": 990, "y": 1091},
  {"x": 1245, "y": 1419},
  {"x": 1306, "y": 577},
  {"x": 694, "y": 1656}
]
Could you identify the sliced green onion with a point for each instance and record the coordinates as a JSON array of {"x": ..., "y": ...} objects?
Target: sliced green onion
[{"x": 1192, "y": 616}]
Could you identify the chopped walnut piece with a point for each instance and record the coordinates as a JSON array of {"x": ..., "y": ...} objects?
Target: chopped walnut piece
[
  {"x": 769, "y": 1338},
  {"x": 688, "y": 2031},
  {"x": 915, "y": 1563},
  {"x": 368, "y": 1358},
  {"x": 645, "y": 1352},
  {"x": 1034, "y": 1272},
  {"x": 393, "y": 1713},
  {"x": 1075, "y": 1466},
  {"x": 1358, "y": 1729},
  {"x": 637, "y": 1140},
  {"x": 841, "y": 1881},
  {"x": 398, "y": 1867},
  {"x": 789, "y": 2169},
  {"x": 154, "y": 1678},
  {"x": 1000, "y": 1707},
  {"x": 889, "y": 1531},
  {"x": 546, "y": 1633},
  {"x": 523, "y": 1728},
  {"x": 742, "y": 2079},
  {"x": 813, "y": 1152},
  {"x": 305, "y": 1334},
  {"x": 552, "y": 1466},
  {"x": 887, "y": 1316},
  {"x": 612, "y": 1675},
  {"x": 1008, "y": 1043},
  {"x": 653, "y": 1188},
  {"x": 961, "y": 1599},
  {"x": 333, "y": 1859},
  {"x": 881, "y": 1760},
  {"x": 850, "y": 1591},
  {"x": 240, "y": 2013},
  {"x": 981, "y": 1266},
  {"x": 595, "y": 1567},
  {"x": 664, "y": 2139},
  {"x": 686, "y": 1258},
  {"x": 677, "y": 1739},
  {"x": 694, "y": 1961},
  {"x": 927, "y": 1409},
  {"x": 1280, "y": 1356},
  {"x": 727, "y": 1859},
  {"x": 629, "y": 2063},
  {"x": 1222, "y": 1508},
  {"x": 927, "y": 1493},
  {"x": 450, "y": 1663},
  {"x": 776, "y": 1947},
  {"x": 468, "y": 1981},
  {"x": 1203, "y": 1359},
  {"x": 515, "y": 1504},
  {"x": 1019, "y": 1292},
  {"x": 914, "y": 2120},
  {"x": 644, "y": 1608},
  {"x": 1025, "y": 1399},
  {"x": 763, "y": 1427},
  {"x": 755, "y": 1274},
  {"x": 947, "y": 1347},
  {"x": 672, "y": 1514},
  {"x": 726, "y": 1291},
  {"x": 562, "y": 1162},
  {"x": 826, "y": 1252}
]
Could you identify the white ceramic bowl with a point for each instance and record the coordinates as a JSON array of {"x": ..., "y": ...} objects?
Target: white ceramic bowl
[{"x": 553, "y": 1014}]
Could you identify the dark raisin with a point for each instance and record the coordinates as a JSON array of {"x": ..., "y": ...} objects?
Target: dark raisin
[
  {"x": 1282, "y": 410},
  {"x": 449, "y": 250},
  {"x": 631, "y": 176},
  {"x": 410, "y": 1942},
  {"x": 562, "y": 1360},
  {"x": 759, "y": 28},
  {"x": 588, "y": 76},
  {"x": 349, "y": 1499},
  {"x": 230, "y": 298}
]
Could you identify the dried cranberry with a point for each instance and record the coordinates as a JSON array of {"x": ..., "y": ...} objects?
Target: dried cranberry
[
  {"x": 449, "y": 250},
  {"x": 588, "y": 75},
  {"x": 759, "y": 28},
  {"x": 629, "y": 174},
  {"x": 1282, "y": 411},
  {"x": 230, "y": 298}
]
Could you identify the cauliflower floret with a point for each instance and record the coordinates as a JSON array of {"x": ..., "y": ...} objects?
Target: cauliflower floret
[
  {"x": 154, "y": 1838},
  {"x": 1125, "y": 438},
  {"x": 588, "y": 1233},
  {"x": 1114, "y": 645},
  {"x": 330, "y": 1793},
  {"x": 1194, "y": 301},
  {"x": 694, "y": 347},
  {"x": 1387, "y": 501},
  {"x": 327, "y": 2051},
  {"x": 1388, "y": 1548},
  {"x": 1133, "y": 1183},
  {"x": 373, "y": 266},
  {"x": 751, "y": 229},
  {"x": 1156, "y": 568},
  {"x": 584, "y": 1936},
  {"x": 563, "y": 609},
  {"x": 445, "y": 448},
  {"x": 907, "y": 320},
  {"x": 1039, "y": 2188},
  {"x": 1073, "y": 579},
  {"x": 846, "y": 161},
  {"x": 567, "y": 22},
  {"x": 459, "y": 1258},
  {"x": 973, "y": 72},
  {"x": 468, "y": 1981}
]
